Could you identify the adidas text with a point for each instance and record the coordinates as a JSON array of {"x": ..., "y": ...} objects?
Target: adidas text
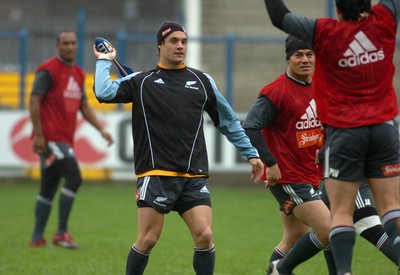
[
  {"x": 307, "y": 124},
  {"x": 362, "y": 59}
]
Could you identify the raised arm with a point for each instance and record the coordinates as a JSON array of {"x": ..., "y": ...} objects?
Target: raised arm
[
  {"x": 277, "y": 11},
  {"x": 394, "y": 7},
  {"x": 282, "y": 18},
  {"x": 106, "y": 90}
]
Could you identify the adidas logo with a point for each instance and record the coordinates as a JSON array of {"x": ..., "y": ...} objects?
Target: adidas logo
[
  {"x": 189, "y": 84},
  {"x": 204, "y": 190},
  {"x": 361, "y": 51},
  {"x": 309, "y": 120},
  {"x": 73, "y": 90},
  {"x": 159, "y": 81}
]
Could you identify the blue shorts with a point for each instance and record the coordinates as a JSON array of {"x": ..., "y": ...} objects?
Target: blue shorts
[
  {"x": 172, "y": 193},
  {"x": 365, "y": 152}
]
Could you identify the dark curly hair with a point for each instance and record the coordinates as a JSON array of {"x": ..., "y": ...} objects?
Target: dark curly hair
[{"x": 353, "y": 9}]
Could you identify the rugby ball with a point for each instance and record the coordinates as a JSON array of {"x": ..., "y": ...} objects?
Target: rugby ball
[{"x": 102, "y": 45}]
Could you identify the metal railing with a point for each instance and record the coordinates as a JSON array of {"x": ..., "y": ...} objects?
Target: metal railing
[
  {"x": 22, "y": 38},
  {"x": 229, "y": 40}
]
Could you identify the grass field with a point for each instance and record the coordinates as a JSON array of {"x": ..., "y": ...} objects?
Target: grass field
[{"x": 246, "y": 228}]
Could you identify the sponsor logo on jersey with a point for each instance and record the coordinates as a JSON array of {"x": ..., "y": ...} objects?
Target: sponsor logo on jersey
[
  {"x": 189, "y": 85},
  {"x": 309, "y": 127},
  {"x": 73, "y": 90},
  {"x": 361, "y": 51},
  {"x": 159, "y": 81},
  {"x": 308, "y": 138},
  {"x": 391, "y": 170}
]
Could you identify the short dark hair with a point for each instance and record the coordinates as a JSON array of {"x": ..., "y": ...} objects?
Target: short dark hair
[
  {"x": 61, "y": 32},
  {"x": 352, "y": 9}
]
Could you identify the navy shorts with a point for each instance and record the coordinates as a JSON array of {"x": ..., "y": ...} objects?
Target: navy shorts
[
  {"x": 365, "y": 152},
  {"x": 364, "y": 196},
  {"x": 365, "y": 215},
  {"x": 291, "y": 195},
  {"x": 172, "y": 193}
]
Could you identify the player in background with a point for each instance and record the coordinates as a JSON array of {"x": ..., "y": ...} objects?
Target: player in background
[
  {"x": 169, "y": 147},
  {"x": 283, "y": 126},
  {"x": 57, "y": 96},
  {"x": 356, "y": 100}
]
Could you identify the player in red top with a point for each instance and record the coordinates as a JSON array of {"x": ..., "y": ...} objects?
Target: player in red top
[
  {"x": 357, "y": 102},
  {"x": 57, "y": 97},
  {"x": 283, "y": 126}
]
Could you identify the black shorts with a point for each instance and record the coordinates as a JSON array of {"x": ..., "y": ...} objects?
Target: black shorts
[
  {"x": 363, "y": 199},
  {"x": 55, "y": 151},
  {"x": 291, "y": 195},
  {"x": 364, "y": 152},
  {"x": 56, "y": 163},
  {"x": 172, "y": 193},
  {"x": 365, "y": 215}
]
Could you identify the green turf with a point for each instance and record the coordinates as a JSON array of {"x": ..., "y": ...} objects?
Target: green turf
[{"x": 246, "y": 228}]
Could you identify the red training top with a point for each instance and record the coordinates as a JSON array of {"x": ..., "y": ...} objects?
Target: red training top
[
  {"x": 354, "y": 70},
  {"x": 293, "y": 135},
  {"x": 61, "y": 103}
]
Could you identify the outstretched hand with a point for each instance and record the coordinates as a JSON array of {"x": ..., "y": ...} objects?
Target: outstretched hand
[{"x": 257, "y": 169}]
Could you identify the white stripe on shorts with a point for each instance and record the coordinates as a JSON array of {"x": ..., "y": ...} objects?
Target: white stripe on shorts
[
  {"x": 56, "y": 150},
  {"x": 289, "y": 190},
  {"x": 143, "y": 190}
]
